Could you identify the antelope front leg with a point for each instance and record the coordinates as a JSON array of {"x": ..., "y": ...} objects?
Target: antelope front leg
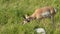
[{"x": 53, "y": 24}]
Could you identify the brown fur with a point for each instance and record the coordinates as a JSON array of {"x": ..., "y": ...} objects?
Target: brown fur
[{"x": 39, "y": 11}]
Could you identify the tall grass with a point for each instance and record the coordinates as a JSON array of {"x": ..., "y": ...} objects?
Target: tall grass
[{"x": 12, "y": 11}]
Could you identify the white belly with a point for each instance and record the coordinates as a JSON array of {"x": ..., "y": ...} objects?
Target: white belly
[{"x": 46, "y": 14}]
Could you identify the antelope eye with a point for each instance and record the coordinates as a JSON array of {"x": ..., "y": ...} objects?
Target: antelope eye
[{"x": 28, "y": 20}]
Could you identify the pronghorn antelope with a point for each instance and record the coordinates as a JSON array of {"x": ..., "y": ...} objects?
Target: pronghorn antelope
[{"x": 40, "y": 13}]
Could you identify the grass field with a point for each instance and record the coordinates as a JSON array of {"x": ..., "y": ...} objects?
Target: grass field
[{"x": 11, "y": 12}]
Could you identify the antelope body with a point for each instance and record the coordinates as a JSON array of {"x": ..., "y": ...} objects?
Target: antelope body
[{"x": 41, "y": 13}]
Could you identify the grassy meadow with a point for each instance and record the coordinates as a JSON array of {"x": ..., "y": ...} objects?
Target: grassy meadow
[{"x": 12, "y": 11}]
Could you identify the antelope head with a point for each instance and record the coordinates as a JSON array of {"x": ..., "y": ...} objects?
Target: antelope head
[{"x": 27, "y": 19}]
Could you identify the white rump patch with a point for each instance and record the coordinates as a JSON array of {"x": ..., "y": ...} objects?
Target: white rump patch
[
  {"x": 46, "y": 14},
  {"x": 55, "y": 10}
]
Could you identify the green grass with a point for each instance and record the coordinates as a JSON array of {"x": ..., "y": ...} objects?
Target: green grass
[{"x": 11, "y": 12}]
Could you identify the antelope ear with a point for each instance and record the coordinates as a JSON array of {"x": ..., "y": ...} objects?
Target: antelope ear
[{"x": 25, "y": 16}]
